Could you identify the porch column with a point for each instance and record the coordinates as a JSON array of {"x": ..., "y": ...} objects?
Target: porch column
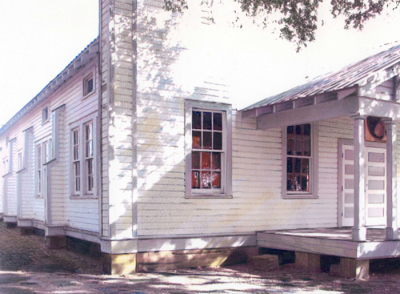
[
  {"x": 359, "y": 229},
  {"x": 391, "y": 181}
]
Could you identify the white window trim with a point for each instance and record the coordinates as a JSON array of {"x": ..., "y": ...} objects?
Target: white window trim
[
  {"x": 93, "y": 74},
  {"x": 80, "y": 125},
  {"x": 44, "y": 161},
  {"x": 9, "y": 157},
  {"x": 226, "y": 164},
  {"x": 20, "y": 160},
  {"x": 313, "y": 194},
  {"x": 45, "y": 120}
]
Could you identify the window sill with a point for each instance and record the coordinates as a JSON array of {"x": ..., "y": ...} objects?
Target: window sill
[
  {"x": 9, "y": 173},
  {"x": 78, "y": 197},
  {"x": 49, "y": 161},
  {"x": 87, "y": 95},
  {"x": 20, "y": 170},
  {"x": 209, "y": 196},
  {"x": 300, "y": 196}
]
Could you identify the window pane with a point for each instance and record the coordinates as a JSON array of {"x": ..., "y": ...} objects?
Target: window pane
[
  {"x": 289, "y": 165},
  {"x": 307, "y": 130},
  {"x": 196, "y": 120},
  {"x": 216, "y": 160},
  {"x": 196, "y": 160},
  {"x": 218, "y": 141},
  {"x": 298, "y": 146},
  {"x": 290, "y": 129},
  {"x": 205, "y": 160},
  {"x": 76, "y": 152},
  {"x": 195, "y": 179},
  {"x": 297, "y": 165},
  {"x": 217, "y": 121},
  {"x": 207, "y": 141},
  {"x": 206, "y": 180},
  {"x": 76, "y": 137},
  {"x": 216, "y": 180},
  {"x": 298, "y": 130},
  {"x": 290, "y": 146},
  {"x": 307, "y": 147},
  {"x": 77, "y": 169},
  {"x": 196, "y": 139},
  {"x": 207, "y": 120}
]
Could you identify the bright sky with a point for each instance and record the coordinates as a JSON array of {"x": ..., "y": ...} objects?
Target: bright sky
[{"x": 40, "y": 37}]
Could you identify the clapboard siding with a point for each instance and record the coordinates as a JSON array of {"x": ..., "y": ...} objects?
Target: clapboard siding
[{"x": 32, "y": 206}]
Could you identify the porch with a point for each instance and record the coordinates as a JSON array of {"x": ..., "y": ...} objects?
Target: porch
[
  {"x": 331, "y": 241},
  {"x": 312, "y": 245}
]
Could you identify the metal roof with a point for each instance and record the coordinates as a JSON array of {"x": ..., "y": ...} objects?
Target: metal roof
[
  {"x": 69, "y": 71},
  {"x": 347, "y": 77}
]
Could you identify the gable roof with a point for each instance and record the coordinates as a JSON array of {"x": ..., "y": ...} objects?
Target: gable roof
[
  {"x": 68, "y": 72},
  {"x": 347, "y": 78}
]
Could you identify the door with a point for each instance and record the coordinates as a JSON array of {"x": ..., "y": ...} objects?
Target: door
[{"x": 375, "y": 186}]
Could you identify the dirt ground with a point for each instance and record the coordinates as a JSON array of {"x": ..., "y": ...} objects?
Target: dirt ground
[{"x": 27, "y": 267}]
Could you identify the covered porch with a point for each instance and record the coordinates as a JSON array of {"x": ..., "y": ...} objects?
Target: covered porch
[{"x": 368, "y": 89}]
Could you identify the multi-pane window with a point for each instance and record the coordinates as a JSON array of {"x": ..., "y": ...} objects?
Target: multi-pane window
[
  {"x": 207, "y": 149},
  {"x": 89, "y": 153},
  {"x": 88, "y": 85},
  {"x": 43, "y": 154},
  {"x": 298, "y": 158},
  {"x": 20, "y": 160},
  {"x": 76, "y": 161},
  {"x": 83, "y": 159},
  {"x": 6, "y": 165},
  {"x": 38, "y": 171}
]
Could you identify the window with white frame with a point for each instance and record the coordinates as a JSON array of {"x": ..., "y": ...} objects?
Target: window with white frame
[
  {"x": 38, "y": 169},
  {"x": 208, "y": 150},
  {"x": 299, "y": 162},
  {"x": 20, "y": 160},
  {"x": 45, "y": 114},
  {"x": 6, "y": 166},
  {"x": 88, "y": 85},
  {"x": 43, "y": 154},
  {"x": 83, "y": 163}
]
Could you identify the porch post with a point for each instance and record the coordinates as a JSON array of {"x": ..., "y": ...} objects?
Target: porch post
[
  {"x": 391, "y": 182},
  {"x": 359, "y": 229}
]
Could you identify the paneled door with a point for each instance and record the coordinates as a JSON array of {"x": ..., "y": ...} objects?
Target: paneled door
[{"x": 375, "y": 186}]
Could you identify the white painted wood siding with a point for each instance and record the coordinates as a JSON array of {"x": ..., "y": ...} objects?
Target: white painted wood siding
[{"x": 77, "y": 214}]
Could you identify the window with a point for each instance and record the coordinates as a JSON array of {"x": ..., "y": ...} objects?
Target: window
[
  {"x": 88, "y": 85},
  {"x": 39, "y": 167},
  {"x": 6, "y": 166},
  {"x": 20, "y": 160},
  {"x": 43, "y": 154},
  {"x": 83, "y": 164},
  {"x": 45, "y": 114},
  {"x": 299, "y": 162},
  {"x": 208, "y": 150}
]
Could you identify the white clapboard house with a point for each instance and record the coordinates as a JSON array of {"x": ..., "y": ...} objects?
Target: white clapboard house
[{"x": 135, "y": 146}]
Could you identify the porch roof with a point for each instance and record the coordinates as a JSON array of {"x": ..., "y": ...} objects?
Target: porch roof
[{"x": 351, "y": 85}]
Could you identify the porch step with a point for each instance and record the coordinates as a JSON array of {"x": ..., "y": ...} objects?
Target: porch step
[{"x": 266, "y": 262}]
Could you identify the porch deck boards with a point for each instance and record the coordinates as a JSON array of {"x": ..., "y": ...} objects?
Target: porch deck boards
[{"x": 331, "y": 241}]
